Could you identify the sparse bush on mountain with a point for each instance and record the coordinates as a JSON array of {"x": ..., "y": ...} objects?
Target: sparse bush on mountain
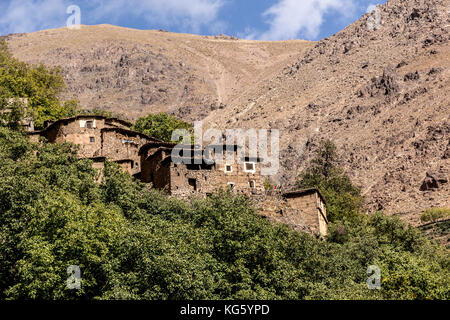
[{"x": 434, "y": 214}]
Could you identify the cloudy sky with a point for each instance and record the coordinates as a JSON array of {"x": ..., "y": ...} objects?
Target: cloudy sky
[{"x": 251, "y": 19}]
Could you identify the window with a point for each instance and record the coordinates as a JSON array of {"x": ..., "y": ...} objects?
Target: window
[
  {"x": 89, "y": 124},
  {"x": 252, "y": 184},
  {"x": 92, "y": 139},
  {"x": 137, "y": 165},
  {"x": 231, "y": 185},
  {"x": 193, "y": 184},
  {"x": 250, "y": 167},
  {"x": 132, "y": 165},
  {"x": 228, "y": 168}
]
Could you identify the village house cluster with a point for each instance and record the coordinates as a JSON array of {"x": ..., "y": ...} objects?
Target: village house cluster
[{"x": 150, "y": 160}]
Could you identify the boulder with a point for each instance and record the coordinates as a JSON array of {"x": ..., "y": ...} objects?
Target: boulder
[{"x": 433, "y": 181}]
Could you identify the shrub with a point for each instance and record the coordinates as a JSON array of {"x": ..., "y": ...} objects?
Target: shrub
[
  {"x": 434, "y": 214},
  {"x": 160, "y": 126},
  {"x": 42, "y": 87},
  {"x": 344, "y": 200}
]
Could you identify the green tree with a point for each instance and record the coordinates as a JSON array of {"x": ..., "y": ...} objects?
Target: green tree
[
  {"x": 344, "y": 200},
  {"x": 160, "y": 126},
  {"x": 135, "y": 243},
  {"x": 12, "y": 112},
  {"x": 99, "y": 112},
  {"x": 41, "y": 85}
]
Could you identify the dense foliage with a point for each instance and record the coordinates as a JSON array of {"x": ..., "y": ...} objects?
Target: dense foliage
[
  {"x": 160, "y": 126},
  {"x": 39, "y": 84},
  {"x": 132, "y": 243},
  {"x": 434, "y": 214},
  {"x": 344, "y": 200}
]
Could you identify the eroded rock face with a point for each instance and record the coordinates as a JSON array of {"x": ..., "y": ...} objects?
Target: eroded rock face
[
  {"x": 386, "y": 85},
  {"x": 434, "y": 180},
  {"x": 447, "y": 152}
]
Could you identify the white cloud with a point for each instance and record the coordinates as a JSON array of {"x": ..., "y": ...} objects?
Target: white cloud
[
  {"x": 290, "y": 18},
  {"x": 371, "y": 7},
  {"x": 32, "y": 15}
]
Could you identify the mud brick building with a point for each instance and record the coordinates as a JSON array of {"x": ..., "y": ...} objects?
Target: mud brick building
[
  {"x": 189, "y": 173},
  {"x": 99, "y": 138},
  {"x": 304, "y": 210},
  {"x": 307, "y": 207},
  {"x": 193, "y": 175}
]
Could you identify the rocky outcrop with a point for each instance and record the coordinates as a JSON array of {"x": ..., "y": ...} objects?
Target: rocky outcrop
[
  {"x": 434, "y": 180},
  {"x": 386, "y": 85}
]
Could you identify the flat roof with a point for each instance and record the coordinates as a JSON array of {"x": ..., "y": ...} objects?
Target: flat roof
[
  {"x": 303, "y": 192},
  {"x": 131, "y": 132},
  {"x": 84, "y": 116}
]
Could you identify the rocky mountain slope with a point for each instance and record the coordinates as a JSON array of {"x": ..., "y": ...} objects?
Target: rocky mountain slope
[
  {"x": 134, "y": 72},
  {"x": 380, "y": 93}
]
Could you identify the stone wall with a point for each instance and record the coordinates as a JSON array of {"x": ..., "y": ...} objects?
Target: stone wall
[
  {"x": 101, "y": 139},
  {"x": 121, "y": 145},
  {"x": 186, "y": 179},
  {"x": 303, "y": 211},
  {"x": 98, "y": 136}
]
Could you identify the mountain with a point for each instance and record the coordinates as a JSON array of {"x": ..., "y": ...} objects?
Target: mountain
[
  {"x": 379, "y": 91},
  {"x": 381, "y": 95},
  {"x": 134, "y": 72}
]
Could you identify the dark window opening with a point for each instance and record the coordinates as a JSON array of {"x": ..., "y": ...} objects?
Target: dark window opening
[
  {"x": 251, "y": 184},
  {"x": 193, "y": 184},
  {"x": 89, "y": 124},
  {"x": 198, "y": 167},
  {"x": 92, "y": 139},
  {"x": 249, "y": 166}
]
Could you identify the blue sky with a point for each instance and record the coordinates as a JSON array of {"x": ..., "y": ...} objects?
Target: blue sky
[{"x": 250, "y": 19}]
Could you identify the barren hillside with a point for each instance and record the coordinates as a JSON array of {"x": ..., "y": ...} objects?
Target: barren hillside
[
  {"x": 135, "y": 72},
  {"x": 381, "y": 95}
]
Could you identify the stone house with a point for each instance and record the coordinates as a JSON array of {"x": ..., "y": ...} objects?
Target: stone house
[
  {"x": 191, "y": 177},
  {"x": 304, "y": 210},
  {"x": 307, "y": 208},
  {"x": 98, "y": 137},
  {"x": 189, "y": 174}
]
